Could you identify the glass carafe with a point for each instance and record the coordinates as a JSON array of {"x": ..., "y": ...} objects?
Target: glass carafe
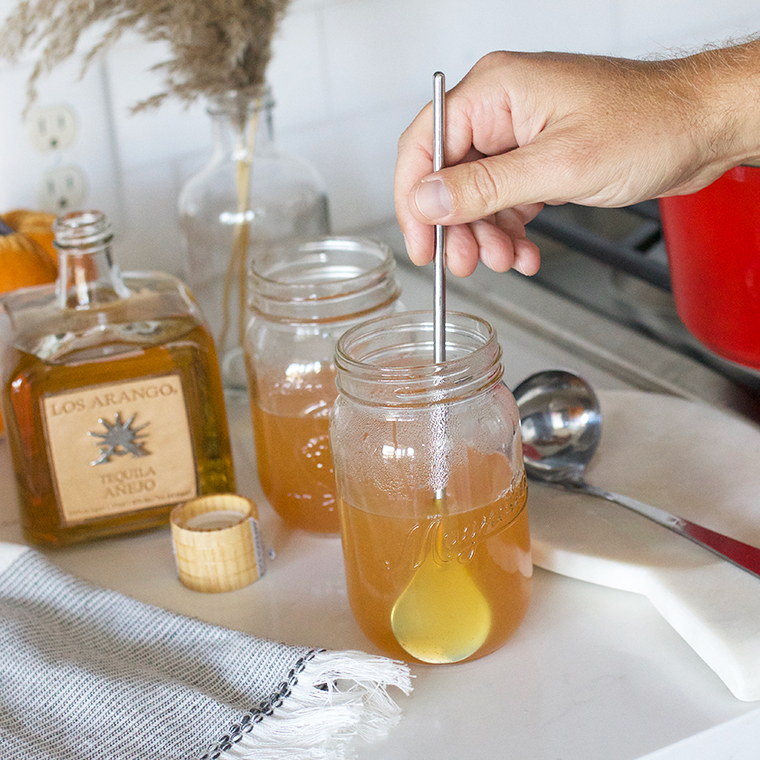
[
  {"x": 431, "y": 486},
  {"x": 111, "y": 394},
  {"x": 303, "y": 297},
  {"x": 248, "y": 197}
]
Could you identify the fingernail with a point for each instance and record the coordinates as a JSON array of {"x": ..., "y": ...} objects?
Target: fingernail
[{"x": 433, "y": 199}]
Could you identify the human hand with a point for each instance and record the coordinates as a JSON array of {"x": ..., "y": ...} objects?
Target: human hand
[{"x": 527, "y": 129}]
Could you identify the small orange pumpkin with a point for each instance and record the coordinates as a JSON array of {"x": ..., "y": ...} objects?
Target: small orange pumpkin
[
  {"x": 23, "y": 262},
  {"x": 37, "y": 225}
]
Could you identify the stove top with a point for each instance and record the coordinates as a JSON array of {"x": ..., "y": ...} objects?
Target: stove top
[{"x": 603, "y": 295}]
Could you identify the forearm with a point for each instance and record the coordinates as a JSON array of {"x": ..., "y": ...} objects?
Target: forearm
[{"x": 727, "y": 84}]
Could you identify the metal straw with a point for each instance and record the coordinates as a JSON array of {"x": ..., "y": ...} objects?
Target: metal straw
[
  {"x": 439, "y": 306},
  {"x": 439, "y": 309}
]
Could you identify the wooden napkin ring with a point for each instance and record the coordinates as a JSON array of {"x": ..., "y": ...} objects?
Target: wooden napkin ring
[{"x": 216, "y": 542}]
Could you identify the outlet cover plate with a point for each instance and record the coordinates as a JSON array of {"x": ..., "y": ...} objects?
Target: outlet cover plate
[
  {"x": 52, "y": 128},
  {"x": 63, "y": 189}
]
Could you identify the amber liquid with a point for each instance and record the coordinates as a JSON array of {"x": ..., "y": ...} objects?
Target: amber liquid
[
  {"x": 291, "y": 423},
  {"x": 173, "y": 345},
  {"x": 383, "y": 555}
]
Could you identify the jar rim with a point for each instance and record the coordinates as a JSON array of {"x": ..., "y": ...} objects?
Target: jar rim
[
  {"x": 323, "y": 279},
  {"x": 473, "y": 363}
]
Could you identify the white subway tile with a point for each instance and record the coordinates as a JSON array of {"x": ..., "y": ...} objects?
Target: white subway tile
[
  {"x": 299, "y": 5},
  {"x": 176, "y": 128},
  {"x": 653, "y": 26},
  {"x": 356, "y": 155},
  {"x": 88, "y": 39},
  {"x": 348, "y": 76},
  {"x": 384, "y": 51},
  {"x": 24, "y": 169},
  {"x": 149, "y": 239},
  {"x": 296, "y": 72},
  {"x": 159, "y": 133}
]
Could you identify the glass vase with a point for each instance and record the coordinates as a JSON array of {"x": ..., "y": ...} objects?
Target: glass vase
[{"x": 249, "y": 197}]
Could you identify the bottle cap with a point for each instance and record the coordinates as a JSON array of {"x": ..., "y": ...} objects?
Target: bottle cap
[{"x": 216, "y": 542}]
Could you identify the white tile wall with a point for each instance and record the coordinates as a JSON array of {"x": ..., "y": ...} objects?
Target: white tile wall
[
  {"x": 23, "y": 170},
  {"x": 651, "y": 25},
  {"x": 348, "y": 76}
]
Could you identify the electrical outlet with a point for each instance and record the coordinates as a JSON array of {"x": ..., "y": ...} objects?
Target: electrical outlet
[
  {"x": 53, "y": 128},
  {"x": 63, "y": 189}
]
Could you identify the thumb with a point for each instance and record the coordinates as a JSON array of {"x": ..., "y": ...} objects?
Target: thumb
[{"x": 469, "y": 191}]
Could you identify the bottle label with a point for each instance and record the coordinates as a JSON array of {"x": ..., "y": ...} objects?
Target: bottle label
[{"x": 120, "y": 447}]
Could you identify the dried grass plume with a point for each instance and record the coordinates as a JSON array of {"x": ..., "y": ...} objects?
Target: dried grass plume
[{"x": 216, "y": 45}]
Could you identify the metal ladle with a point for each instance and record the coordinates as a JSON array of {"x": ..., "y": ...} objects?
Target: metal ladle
[
  {"x": 561, "y": 425},
  {"x": 441, "y": 615}
]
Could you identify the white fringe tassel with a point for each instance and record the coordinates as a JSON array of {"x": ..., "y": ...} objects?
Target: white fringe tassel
[{"x": 319, "y": 723}]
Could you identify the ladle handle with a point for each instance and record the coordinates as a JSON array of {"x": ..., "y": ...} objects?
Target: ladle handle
[{"x": 740, "y": 554}]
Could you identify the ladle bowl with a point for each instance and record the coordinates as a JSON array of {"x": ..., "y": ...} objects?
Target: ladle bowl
[{"x": 561, "y": 425}]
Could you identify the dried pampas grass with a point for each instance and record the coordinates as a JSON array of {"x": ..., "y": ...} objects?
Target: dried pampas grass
[{"x": 216, "y": 45}]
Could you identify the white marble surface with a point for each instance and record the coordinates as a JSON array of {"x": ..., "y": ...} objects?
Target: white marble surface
[
  {"x": 592, "y": 674},
  {"x": 688, "y": 459}
]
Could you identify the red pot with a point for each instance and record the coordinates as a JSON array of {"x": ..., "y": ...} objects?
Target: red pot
[{"x": 712, "y": 239}]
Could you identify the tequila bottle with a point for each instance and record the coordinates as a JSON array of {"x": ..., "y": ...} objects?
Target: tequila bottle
[{"x": 111, "y": 393}]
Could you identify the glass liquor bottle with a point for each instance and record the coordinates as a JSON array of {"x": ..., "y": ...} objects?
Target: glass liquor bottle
[{"x": 111, "y": 393}]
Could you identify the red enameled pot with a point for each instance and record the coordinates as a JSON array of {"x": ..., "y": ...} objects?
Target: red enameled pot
[{"x": 712, "y": 239}]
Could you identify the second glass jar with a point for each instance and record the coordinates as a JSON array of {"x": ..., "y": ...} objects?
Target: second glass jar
[{"x": 303, "y": 297}]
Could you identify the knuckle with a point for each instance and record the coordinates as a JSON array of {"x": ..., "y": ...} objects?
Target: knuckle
[
  {"x": 495, "y": 60},
  {"x": 481, "y": 188}
]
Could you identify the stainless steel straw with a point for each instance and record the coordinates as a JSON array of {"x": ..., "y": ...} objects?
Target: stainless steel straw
[
  {"x": 439, "y": 306},
  {"x": 439, "y": 309}
]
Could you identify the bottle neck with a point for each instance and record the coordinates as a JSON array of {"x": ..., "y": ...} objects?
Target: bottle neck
[
  {"x": 389, "y": 361},
  {"x": 242, "y": 124},
  {"x": 88, "y": 275}
]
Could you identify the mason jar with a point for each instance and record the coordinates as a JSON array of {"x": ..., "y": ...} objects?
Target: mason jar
[
  {"x": 431, "y": 486},
  {"x": 303, "y": 296}
]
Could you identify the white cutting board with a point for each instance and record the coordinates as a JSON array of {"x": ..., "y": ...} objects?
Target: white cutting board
[{"x": 694, "y": 461}]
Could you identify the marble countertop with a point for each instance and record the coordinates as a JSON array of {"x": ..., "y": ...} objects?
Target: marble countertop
[{"x": 592, "y": 674}]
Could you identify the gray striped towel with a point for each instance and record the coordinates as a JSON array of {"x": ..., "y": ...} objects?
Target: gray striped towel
[{"x": 87, "y": 673}]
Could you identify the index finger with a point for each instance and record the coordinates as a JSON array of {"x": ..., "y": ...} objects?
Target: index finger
[
  {"x": 414, "y": 161},
  {"x": 478, "y": 123}
]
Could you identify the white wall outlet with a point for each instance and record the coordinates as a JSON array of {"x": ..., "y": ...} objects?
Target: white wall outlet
[
  {"x": 63, "y": 189},
  {"x": 52, "y": 128}
]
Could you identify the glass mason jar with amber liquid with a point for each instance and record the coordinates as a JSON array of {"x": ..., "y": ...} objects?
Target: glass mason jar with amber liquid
[
  {"x": 111, "y": 394},
  {"x": 431, "y": 486},
  {"x": 303, "y": 296}
]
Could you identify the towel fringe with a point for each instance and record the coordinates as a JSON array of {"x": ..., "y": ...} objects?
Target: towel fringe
[{"x": 338, "y": 696}]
